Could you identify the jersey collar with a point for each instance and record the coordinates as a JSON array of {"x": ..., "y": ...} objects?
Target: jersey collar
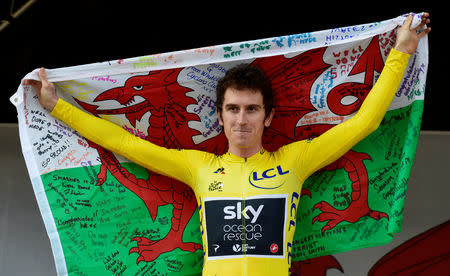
[{"x": 255, "y": 157}]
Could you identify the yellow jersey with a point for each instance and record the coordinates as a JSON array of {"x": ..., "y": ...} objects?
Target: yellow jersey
[{"x": 247, "y": 206}]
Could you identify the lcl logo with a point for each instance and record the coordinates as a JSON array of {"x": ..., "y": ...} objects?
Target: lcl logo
[{"x": 269, "y": 173}]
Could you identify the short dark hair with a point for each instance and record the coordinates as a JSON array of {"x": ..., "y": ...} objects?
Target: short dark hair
[{"x": 245, "y": 76}]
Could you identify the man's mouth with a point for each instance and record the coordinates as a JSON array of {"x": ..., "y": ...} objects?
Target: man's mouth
[{"x": 242, "y": 130}]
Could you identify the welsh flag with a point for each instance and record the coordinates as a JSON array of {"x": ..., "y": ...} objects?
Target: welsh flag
[{"x": 107, "y": 216}]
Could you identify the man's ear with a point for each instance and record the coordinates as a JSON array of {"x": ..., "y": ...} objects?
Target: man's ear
[
  {"x": 269, "y": 118},
  {"x": 219, "y": 116}
]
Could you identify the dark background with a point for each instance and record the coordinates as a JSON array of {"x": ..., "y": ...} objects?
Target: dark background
[{"x": 65, "y": 33}]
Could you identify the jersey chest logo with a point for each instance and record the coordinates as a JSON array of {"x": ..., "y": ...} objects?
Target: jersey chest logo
[
  {"x": 258, "y": 180},
  {"x": 252, "y": 226}
]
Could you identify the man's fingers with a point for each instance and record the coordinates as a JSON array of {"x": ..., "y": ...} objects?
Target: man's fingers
[
  {"x": 45, "y": 83},
  {"x": 43, "y": 76},
  {"x": 36, "y": 84},
  {"x": 28, "y": 82},
  {"x": 425, "y": 20},
  {"x": 408, "y": 21},
  {"x": 424, "y": 32}
]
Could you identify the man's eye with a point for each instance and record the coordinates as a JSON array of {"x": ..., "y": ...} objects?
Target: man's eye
[
  {"x": 252, "y": 108},
  {"x": 138, "y": 87}
]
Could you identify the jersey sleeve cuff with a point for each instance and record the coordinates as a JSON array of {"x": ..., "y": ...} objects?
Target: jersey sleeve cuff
[
  {"x": 60, "y": 108},
  {"x": 397, "y": 59}
]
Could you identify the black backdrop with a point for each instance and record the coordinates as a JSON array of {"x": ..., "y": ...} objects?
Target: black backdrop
[{"x": 64, "y": 33}]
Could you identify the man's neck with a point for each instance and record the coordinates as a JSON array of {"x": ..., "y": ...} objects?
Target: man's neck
[{"x": 244, "y": 152}]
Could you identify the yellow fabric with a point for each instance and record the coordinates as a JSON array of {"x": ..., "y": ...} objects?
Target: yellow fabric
[{"x": 239, "y": 192}]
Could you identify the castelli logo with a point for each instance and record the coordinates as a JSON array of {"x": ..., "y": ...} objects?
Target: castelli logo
[{"x": 274, "y": 248}]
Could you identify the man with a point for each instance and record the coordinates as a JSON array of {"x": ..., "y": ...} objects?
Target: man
[{"x": 248, "y": 223}]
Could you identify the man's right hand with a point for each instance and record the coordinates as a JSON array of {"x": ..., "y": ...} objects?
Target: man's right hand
[
  {"x": 407, "y": 38},
  {"x": 46, "y": 90}
]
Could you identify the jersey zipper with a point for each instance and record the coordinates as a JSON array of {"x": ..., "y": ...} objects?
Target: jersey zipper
[{"x": 244, "y": 241}]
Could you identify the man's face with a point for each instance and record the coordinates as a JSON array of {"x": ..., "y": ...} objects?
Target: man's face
[{"x": 243, "y": 120}]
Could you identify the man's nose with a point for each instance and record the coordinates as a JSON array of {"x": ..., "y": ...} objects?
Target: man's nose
[{"x": 242, "y": 118}]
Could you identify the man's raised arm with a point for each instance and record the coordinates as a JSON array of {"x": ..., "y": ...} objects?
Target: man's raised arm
[
  {"x": 172, "y": 163},
  {"x": 334, "y": 143}
]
